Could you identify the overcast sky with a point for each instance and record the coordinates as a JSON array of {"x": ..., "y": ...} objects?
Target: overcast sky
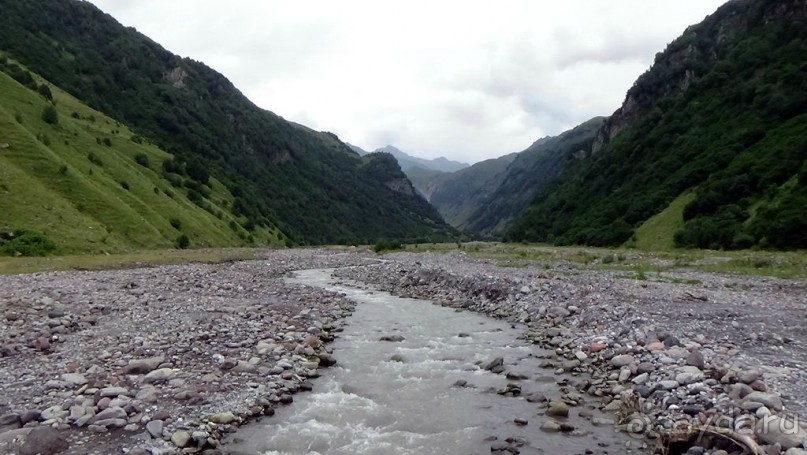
[{"x": 468, "y": 80}]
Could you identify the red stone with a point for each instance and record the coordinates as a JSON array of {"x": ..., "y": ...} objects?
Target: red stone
[{"x": 655, "y": 346}]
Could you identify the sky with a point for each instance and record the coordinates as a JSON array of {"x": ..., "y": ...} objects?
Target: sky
[{"x": 468, "y": 80}]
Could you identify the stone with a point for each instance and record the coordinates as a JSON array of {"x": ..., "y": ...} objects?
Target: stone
[
  {"x": 655, "y": 346},
  {"x": 689, "y": 374},
  {"x": 771, "y": 400},
  {"x": 223, "y": 418},
  {"x": 44, "y": 440},
  {"x": 695, "y": 359},
  {"x": 244, "y": 367},
  {"x": 143, "y": 366},
  {"x": 113, "y": 391},
  {"x": 640, "y": 379},
  {"x": 581, "y": 356},
  {"x": 624, "y": 374},
  {"x": 622, "y": 360},
  {"x": 748, "y": 376},
  {"x": 110, "y": 423},
  {"x": 558, "y": 312},
  {"x": 10, "y": 420},
  {"x": 74, "y": 379},
  {"x": 392, "y": 338},
  {"x": 181, "y": 438},
  {"x": 326, "y": 360},
  {"x": 30, "y": 416},
  {"x": 495, "y": 363},
  {"x": 557, "y": 409},
  {"x": 796, "y": 451},
  {"x": 671, "y": 341},
  {"x": 41, "y": 344},
  {"x": 645, "y": 367},
  {"x": 778, "y": 430},
  {"x": 110, "y": 413},
  {"x": 550, "y": 426},
  {"x": 520, "y": 421},
  {"x": 668, "y": 385},
  {"x": 597, "y": 347},
  {"x": 159, "y": 375}
]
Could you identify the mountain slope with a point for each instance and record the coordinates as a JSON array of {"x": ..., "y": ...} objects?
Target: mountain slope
[
  {"x": 90, "y": 185},
  {"x": 485, "y": 197},
  {"x": 720, "y": 113},
  {"x": 281, "y": 174}
]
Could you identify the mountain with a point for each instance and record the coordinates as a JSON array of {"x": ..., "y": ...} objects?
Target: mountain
[
  {"x": 408, "y": 161},
  {"x": 86, "y": 183},
  {"x": 357, "y": 149},
  {"x": 708, "y": 149},
  {"x": 307, "y": 184},
  {"x": 485, "y": 197}
]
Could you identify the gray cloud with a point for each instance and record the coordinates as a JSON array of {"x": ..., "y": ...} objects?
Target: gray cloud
[{"x": 465, "y": 79}]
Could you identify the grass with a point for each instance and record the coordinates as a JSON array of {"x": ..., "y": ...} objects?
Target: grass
[
  {"x": 656, "y": 234},
  {"x": 637, "y": 264},
  {"x": 10, "y": 266},
  {"x": 82, "y": 182}
]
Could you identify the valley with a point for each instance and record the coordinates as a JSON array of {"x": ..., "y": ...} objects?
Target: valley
[{"x": 501, "y": 267}]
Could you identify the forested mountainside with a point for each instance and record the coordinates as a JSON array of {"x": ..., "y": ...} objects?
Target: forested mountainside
[
  {"x": 308, "y": 185},
  {"x": 713, "y": 137},
  {"x": 483, "y": 198}
]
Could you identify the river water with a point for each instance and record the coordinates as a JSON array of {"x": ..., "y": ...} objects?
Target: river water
[{"x": 370, "y": 404}]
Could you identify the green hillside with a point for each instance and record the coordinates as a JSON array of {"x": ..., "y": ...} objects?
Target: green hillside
[
  {"x": 306, "y": 183},
  {"x": 482, "y": 199},
  {"x": 90, "y": 185},
  {"x": 721, "y": 113}
]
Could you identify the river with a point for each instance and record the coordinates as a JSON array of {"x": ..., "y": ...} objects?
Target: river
[{"x": 403, "y": 397}]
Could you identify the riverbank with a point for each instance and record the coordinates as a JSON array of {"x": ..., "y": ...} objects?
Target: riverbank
[
  {"x": 162, "y": 359},
  {"x": 671, "y": 351},
  {"x": 153, "y": 360}
]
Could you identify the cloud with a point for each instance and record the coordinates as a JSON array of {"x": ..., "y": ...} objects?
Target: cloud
[{"x": 465, "y": 79}]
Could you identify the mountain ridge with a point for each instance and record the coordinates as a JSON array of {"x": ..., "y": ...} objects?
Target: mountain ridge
[
  {"x": 306, "y": 183},
  {"x": 721, "y": 114}
]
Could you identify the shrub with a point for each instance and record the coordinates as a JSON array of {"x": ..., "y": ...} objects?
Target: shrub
[
  {"x": 18, "y": 118},
  {"x": 49, "y": 115},
  {"x": 125, "y": 185},
  {"x": 107, "y": 142},
  {"x": 28, "y": 243},
  {"x": 175, "y": 222},
  {"x": 386, "y": 245},
  {"x": 183, "y": 242},
  {"x": 44, "y": 90},
  {"x": 63, "y": 169},
  {"x": 142, "y": 159},
  {"x": 94, "y": 159}
]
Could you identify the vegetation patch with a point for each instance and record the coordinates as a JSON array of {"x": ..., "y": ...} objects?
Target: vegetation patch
[{"x": 27, "y": 243}]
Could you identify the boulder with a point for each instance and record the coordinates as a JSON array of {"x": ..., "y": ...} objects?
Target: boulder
[
  {"x": 778, "y": 430},
  {"x": 44, "y": 441}
]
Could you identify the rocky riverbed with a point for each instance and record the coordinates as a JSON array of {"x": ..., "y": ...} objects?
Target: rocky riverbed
[
  {"x": 168, "y": 359},
  {"x": 669, "y": 354},
  {"x": 158, "y": 360}
]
